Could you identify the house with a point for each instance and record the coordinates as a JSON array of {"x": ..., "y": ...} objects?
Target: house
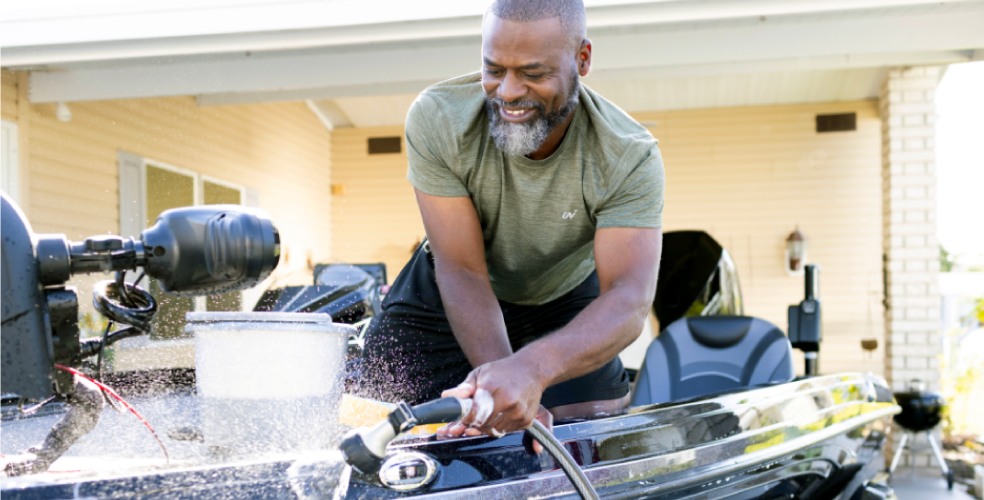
[{"x": 299, "y": 107}]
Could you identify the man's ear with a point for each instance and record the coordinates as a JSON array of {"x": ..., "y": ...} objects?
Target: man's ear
[{"x": 584, "y": 58}]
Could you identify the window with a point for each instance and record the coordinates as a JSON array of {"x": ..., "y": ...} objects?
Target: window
[
  {"x": 8, "y": 164},
  {"x": 215, "y": 192},
  {"x": 148, "y": 188}
]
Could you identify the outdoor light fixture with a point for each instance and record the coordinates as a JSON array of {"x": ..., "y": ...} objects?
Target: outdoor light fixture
[
  {"x": 795, "y": 253},
  {"x": 63, "y": 113}
]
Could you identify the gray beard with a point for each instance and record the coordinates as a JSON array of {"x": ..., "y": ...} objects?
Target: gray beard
[{"x": 521, "y": 139}]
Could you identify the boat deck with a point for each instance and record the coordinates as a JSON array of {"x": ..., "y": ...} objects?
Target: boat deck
[{"x": 926, "y": 488}]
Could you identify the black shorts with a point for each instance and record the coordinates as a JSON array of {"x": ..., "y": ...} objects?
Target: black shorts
[{"x": 411, "y": 354}]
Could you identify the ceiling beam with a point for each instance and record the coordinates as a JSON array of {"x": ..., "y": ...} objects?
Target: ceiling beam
[
  {"x": 599, "y": 76},
  {"x": 330, "y": 114},
  {"x": 838, "y": 42},
  {"x": 113, "y": 31},
  {"x": 846, "y": 61},
  {"x": 317, "y": 93}
]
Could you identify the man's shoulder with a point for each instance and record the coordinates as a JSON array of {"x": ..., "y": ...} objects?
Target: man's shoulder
[
  {"x": 616, "y": 134},
  {"x": 613, "y": 127},
  {"x": 453, "y": 104}
]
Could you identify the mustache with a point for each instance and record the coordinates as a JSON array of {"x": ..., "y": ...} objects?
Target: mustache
[{"x": 498, "y": 101}]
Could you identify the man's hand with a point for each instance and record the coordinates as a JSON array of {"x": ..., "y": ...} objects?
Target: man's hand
[{"x": 506, "y": 396}]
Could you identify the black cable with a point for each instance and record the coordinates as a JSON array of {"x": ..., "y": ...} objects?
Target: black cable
[
  {"x": 123, "y": 303},
  {"x": 121, "y": 285},
  {"x": 107, "y": 297},
  {"x": 127, "y": 301},
  {"x": 102, "y": 346},
  {"x": 90, "y": 347}
]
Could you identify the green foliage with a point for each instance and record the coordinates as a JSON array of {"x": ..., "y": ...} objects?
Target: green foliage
[
  {"x": 959, "y": 387},
  {"x": 963, "y": 383},
  {"x": 946, "y": 260},
  {"x": 979, "y": 311},
  {"x": 91, "y": 324}
]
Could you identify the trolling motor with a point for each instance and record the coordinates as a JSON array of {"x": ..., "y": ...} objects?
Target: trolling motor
[
  {"x": 190, "y": 251},
  {"x": 805, "y": 332}
]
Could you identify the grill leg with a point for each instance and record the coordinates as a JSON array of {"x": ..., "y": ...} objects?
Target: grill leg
[
  {"x": 939, "y": 453},
  {"x": 898, "y": 453},
  {"x": 912, "y": 452}
]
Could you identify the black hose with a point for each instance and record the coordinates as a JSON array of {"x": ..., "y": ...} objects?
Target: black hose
[
  {"x": 364, "y": 449},
  {"x": 108, "y": 298},
  {"x": 122, "y": 303},
  {"x": 90, "y": 347},
  {"x": 560, "y": 455}
]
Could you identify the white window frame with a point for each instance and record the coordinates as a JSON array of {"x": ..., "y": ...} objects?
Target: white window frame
[
  {"x": 198, "y": 195},
  {"x": 200, "y": 186},
  {"x": 11, "y": 156}
]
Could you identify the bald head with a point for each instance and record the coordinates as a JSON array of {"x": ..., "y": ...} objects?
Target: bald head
[{"x": 570, "y": 13}]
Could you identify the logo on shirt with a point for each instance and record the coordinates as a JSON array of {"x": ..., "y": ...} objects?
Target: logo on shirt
[{"x": 569, "y": 215}]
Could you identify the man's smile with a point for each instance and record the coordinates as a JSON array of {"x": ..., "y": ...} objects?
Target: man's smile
[{"x": 515, "y": 114}]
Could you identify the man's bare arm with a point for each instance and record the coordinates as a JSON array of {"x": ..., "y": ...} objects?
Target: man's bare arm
[
  {"x": 455, "y": 236},
  {"x": 627, "y": 260}
]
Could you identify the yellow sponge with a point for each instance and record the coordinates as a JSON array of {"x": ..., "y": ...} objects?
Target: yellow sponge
[{"x": 362, "y": 412}]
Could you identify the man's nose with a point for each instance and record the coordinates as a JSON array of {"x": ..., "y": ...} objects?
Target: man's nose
[{"x": 512, "y": 88}]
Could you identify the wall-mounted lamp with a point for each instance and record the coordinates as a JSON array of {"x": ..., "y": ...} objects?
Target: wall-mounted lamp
[
  {"x": 63, "y": 113},
  {"x": 795, "y": 256}
]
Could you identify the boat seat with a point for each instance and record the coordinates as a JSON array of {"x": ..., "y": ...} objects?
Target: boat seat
[{"x": 706, "y": 354}]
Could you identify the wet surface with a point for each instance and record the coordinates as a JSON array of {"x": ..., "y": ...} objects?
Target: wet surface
[
  {"x": 791, "y": 437},
  {"x": 119, "y": 439}
]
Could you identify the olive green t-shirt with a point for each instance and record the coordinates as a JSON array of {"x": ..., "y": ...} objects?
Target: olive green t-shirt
[{"x": 538, "y": 217}]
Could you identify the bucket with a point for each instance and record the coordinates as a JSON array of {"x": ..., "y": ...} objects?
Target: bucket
[{"x": 268, "y": 381}]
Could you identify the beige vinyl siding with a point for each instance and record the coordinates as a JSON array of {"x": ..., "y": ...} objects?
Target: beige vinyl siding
[
  {"x": 8, "y": 95},
  {"x": 746, "y": 175},
  {"x": 279, "y": 149},
  {"x": 375, "y": 218},
  {"x": 750, "y": 175}
]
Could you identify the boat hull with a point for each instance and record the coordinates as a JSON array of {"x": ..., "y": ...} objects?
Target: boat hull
[{"x": 814, "y": 438}]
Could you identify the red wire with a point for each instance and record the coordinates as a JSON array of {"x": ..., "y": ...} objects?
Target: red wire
[{"x": 113, "y": 393}]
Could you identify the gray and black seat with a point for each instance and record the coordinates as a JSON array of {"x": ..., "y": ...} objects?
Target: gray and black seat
[{"x": 706, "y": 354}]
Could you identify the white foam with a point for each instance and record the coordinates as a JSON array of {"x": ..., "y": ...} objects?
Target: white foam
[
  {"x": 484, "y": 404},
  {"x": 268, "y": 364},
  {"x": 269, "y": 383}
]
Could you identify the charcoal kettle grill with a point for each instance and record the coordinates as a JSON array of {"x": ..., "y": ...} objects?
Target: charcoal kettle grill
[{"x": 921, "y": 412}]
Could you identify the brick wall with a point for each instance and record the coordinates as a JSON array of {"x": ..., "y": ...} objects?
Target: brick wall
[{"x": 911, "y": 250}]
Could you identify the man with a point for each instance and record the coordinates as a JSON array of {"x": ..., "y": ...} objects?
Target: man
[{"x": 542, "y": 204}]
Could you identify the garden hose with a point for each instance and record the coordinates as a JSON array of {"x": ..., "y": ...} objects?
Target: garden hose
[{"x": 365, "y": 449}]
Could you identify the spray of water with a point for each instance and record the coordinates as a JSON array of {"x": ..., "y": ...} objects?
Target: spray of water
[{"x": 320, "y": 476}]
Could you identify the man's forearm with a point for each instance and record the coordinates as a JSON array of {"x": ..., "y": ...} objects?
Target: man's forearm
[
  {"x": 599, "y": 333},
  {"x": 474, "y": 314}
]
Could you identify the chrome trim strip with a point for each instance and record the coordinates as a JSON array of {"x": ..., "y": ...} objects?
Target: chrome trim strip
[{"x": 631, "y": 478}]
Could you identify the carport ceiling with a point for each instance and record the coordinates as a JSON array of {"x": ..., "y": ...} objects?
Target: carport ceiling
[
  {"x": 658, "y": 54},
  {"x": 787, "y": 87}
]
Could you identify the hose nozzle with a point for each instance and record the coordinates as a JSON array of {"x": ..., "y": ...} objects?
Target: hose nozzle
[{"x": 364, "y": 449}]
